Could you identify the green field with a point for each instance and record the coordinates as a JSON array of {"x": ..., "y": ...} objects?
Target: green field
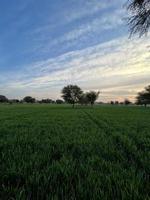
[{"x": 56, "y": 152}]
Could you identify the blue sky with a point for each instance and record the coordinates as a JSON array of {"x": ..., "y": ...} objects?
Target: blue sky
[{"x": 45, "y": 45}]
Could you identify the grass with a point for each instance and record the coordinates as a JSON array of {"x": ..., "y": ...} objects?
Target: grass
[{"x": 56, "y": 152}]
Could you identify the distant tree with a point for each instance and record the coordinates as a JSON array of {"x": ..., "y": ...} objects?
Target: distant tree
[
  {"x": 116, "y": 102},
  {"x": 59, "y": 101},
  {"x": 46, "y": 101},
  {"x": 143, "y": 97},
  {"x": 92, "y": 96},
  {"x": 139, "y": 21},
  {"x": 83, "y": 99},
  {"x": 127, "y": 102},
  {"x": 3, "y": 99},
  {"x": 71, "y": 94},
  {"x": 14, "y": 101},
  {"x": 112, "y": 102},
  {"x": 29, "y": 99}
]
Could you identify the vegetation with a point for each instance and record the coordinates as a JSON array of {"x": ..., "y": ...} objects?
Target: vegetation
[
  {"x": 92, "y": 96},
  {"x": 55, "y": 152},
  {"x": 83, "y": 99},
  {"x": 127, "y": 102},
  {"x": 71, "y": 94},
  {"x": 143, "y": 97},
  {"x": 29, "y": 99},
  {"x": 3, "y": 99},
  {"x": 59, "y": 101},
  {"x": 46, "y": 101},
  {"x": 139, "y": 22}
]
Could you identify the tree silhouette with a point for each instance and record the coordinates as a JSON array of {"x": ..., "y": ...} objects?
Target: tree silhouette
[
  {"x": 71, "y": 94},
  {"x": 29, "y": 99},
  {"x": 143, "y": 97},
  {"x": 92, "y": 96},
  {"x": 46, "y": 101},
  {"x": 3, "y": 99},
  {"x": 139, "y": 21},
  {"x": 127, "y": 102},
  {"x": 59, "y": 101},
  {"x": 83, "y": 99}
]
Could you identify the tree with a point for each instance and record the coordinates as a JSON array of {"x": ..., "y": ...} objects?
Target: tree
[
  {"x": 112, "y": 103},
  {"x": 29, "y": 99},
  {"x": 143, "y": 98},
  {"x": 83, "y": 99},
  {"x": 116, "y": 102},
  {"x": 71, "y": 94},
  {"x": 139, "y": 22},
  {"x": 3, "y": 99},
  {"x": 14, "y": 101},
  {"x": 46, "y": 101},
  {"x": 92, "y": 96},
  {"x": 127, "y": 102},
  {"x": 59, "y": 101}
]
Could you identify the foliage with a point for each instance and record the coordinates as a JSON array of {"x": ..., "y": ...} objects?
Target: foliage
[
  {"x": 59, "y": 101},
  {"x": 88, "y": 98},
  {"x": 112, "y": 102},
  {"x": 71, "y": 94},
  {"x": 14, "y": 100},
  {"x": 139, "y": 22},
  {"x": 92, "y": 96},
  {"x": 3, "y": 99},
  {"x": 83, "y": 100},
  {"x": 144, "y": 96},
  {"x": 29, "y": 99},
  {"x": 127, "y": 102},
  {"x": 116, "y": 102},
  {"x": 55, "y": 152},
  {"x": 46, "y": 101}
]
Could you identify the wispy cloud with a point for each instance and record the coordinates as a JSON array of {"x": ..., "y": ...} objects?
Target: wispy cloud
[
  {"x": 106, "y": 17},
  {"x": 40, "y": 53},
  {"x": 118, "y": 68}
]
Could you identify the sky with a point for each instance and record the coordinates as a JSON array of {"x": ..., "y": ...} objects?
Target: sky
[{"x": 48, "y": 44}]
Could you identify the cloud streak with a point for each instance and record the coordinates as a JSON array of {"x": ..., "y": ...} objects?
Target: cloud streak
[
  {"x": 73, "y": 42},
  {"x": 94, "y": 18},
  {"x": 118, "y": 68}
]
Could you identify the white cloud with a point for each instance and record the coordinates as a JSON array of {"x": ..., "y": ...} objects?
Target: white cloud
[
  {"x": 107, "y": 15},
  {"x": 106, "y": 21},
  {"x": 118, "y": 68}
]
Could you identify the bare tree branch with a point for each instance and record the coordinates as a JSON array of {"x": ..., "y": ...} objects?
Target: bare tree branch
[{"x": 139, "y": 21}]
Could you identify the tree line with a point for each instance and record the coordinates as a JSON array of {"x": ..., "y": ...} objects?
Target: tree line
[
  {"x": 29, "y": 99},
  {"x": 73, "y": 94}
]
